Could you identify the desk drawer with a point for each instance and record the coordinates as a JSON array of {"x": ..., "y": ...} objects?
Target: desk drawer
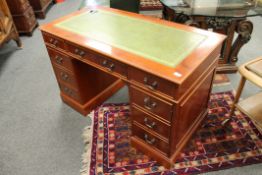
[
  {"x": 108, "y": 64},
  {"x": 150, "y": 122},
  {"x": 65, "y": 77},
  {"x": 70, "y": 92},
  {"x": 151, "y": 103},
  {"x": 54, "y": 41},
  {"x": 151, "y": 82},
  {"x": 150, "y": 139},
  {"x": 60, "y": 59}
]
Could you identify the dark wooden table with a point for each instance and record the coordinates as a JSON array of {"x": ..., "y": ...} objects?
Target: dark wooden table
[
  {"x": 95, "y": 51},
  {"x": 228, "y": 17}
]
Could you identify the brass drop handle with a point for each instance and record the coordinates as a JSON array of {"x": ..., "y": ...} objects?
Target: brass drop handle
[
  {"x": 151, "y": 142},
  {"x": 152, "y": 86},
  {"x": 82, "y": 53},
  {"x": 53, "y": 41},
  {"x": 79, "y": 52},
  {"x": 110, "y": 67},
  {"x": 152, "y": 125},
  {"x": 64, "y": 76},
  {"x": 59, "y": 59},
  {"x": 104, "y": 63},
  {"x": 68, "y": 91},
  {"x": 148, "y": 104}
]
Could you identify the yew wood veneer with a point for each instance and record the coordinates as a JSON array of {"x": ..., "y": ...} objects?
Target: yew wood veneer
[{"x": 168, "y": 68}]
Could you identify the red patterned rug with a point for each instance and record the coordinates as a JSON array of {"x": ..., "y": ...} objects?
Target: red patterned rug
[
  {"x": 150, "y": 5},
  {"x": 213, "y": 147}
]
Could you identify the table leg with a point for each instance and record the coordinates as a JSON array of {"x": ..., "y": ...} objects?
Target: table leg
[{"x": 244, "y": 29}]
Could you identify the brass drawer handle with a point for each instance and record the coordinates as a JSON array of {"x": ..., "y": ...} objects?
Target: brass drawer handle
[
  {"x": 58, "y": 59},
  {"x": 110, "y": 67},
  {"x": 152, "y": 125},
  {"x": 151, "y": 142},
  {"x": 152, "y": 86},
  {"x": 148, "y": 104},
  {"x": 104, "y": 63},
  {"x": 79, "y": 52},
  {"x": 64, "y": 76},
  {"x": 68, "y": 91},
  {"x": 53, "y": 41},
  {"x": 82, "y": 53}
]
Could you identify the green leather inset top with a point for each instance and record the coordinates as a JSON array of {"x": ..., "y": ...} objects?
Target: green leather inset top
[{"x": 160, "y": 43}]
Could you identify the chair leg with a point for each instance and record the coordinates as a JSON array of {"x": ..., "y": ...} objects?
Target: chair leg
[{"x": 238, "y": 94}]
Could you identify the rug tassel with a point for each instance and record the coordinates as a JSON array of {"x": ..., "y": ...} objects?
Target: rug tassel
[{"x": 87, "y": 138}]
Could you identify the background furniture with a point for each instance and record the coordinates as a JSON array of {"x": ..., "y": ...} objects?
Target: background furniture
[
  {"x": 7, "y": 27},
  {"x": 127, "y": 5},
  {"x": 223, "y": 16},
  {"x": 23, "y": 16},
  {"x": 40, "y": 7},
  {"x": 252, "y": 106},
  {"x": 169, "y": 78}
]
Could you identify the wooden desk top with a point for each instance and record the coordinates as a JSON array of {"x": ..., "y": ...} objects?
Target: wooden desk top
[{"x": 168, "y": 50}]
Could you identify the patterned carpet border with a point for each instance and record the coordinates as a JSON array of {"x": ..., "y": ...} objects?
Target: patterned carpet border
[{"x": 242, "y": 145}]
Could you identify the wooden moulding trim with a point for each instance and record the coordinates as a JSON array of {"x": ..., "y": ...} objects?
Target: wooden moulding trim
[
  {"x": 95, "y": 101},
  {"x": 227, "y": 68},
  {"x": 155, "y": 153},
  {"x": 188, "y": 135}
]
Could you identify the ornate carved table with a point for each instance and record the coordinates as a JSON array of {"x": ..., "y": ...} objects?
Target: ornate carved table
[{"x": 223, "y": 16}]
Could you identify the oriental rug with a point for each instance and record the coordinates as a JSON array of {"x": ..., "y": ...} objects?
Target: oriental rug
[
  {"x": 213, "y": 147},
  {"x": 150, "y": 5}
]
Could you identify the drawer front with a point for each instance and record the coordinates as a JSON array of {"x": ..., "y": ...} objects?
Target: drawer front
[
  {"x": 65, "y": 77},
  {"x": 150, "y": 122},
  {"x": 150, "y": 139},
  {"x": 70, "y": 92},
  {"x": 53, "y": 41},
  {"x": 103, "y": 62},
  {"x": 60, "y": 59},
  {"x": 151, "y": 104},
  {"x": 151, "y": 82}
]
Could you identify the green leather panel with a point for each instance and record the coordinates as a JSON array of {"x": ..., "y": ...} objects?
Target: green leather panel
[{"x": 160, "y": 43}]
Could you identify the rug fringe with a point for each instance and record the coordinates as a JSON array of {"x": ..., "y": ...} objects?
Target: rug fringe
[{"x": 87, "y": 138}]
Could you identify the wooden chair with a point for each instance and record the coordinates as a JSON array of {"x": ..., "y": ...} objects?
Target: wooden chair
[{"x": 251, "y": 106}]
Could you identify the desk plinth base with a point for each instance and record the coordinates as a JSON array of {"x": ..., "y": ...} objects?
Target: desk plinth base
[
  {"x": 97, "y": 100},
  {"x": 163, "y": 159}
]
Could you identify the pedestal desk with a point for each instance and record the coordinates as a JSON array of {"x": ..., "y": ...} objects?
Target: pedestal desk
[{"x": 97, "y": 50}]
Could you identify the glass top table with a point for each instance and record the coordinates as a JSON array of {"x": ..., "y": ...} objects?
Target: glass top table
[
  {"x": 218, "y": 8},
  {"x": 228, "y": 17}
]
